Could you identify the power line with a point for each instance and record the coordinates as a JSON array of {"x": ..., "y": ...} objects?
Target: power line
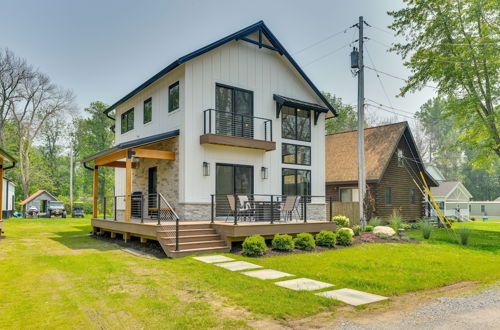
[
  {"x": 322, "y": 40},
  {"x": 379, "y": 79},
  {"x": 395, "y": 77},
  {"x": 327, "y": 54},
  {"x": 382, "y": 30},
  {"x": 393, "y": 112},
  {"x": 391, "y": 107}
]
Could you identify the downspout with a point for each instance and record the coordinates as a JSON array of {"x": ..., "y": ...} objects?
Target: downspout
[
  {"x": 87, "y": 167},
  {"x": 9, "y": 167}
]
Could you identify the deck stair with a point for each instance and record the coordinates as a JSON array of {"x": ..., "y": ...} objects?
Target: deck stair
[{"x": 194, "y": 238}]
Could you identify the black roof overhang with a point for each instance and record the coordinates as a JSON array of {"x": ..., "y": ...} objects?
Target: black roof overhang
[
  {"x": 5, "y": 155},
  {"x": 131, "y": 144},
  {"x": 261, "y": 28},
  {"x": 290, "y": 102}
]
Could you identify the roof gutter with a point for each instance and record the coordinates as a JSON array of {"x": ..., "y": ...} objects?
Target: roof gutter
[{"x": 9, "y": 167}]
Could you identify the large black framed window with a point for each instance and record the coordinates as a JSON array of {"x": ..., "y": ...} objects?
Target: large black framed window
[
  {"x": 148, "y": 110},
  {"x": 296, "y": 182},
  {"x": 234, "y": 116},
  {"x": 127, "y": 122},
  {"x": 295, "y": 154},
  {"x": 173, "y": 97},
  {"x": 295, "y": 124}
]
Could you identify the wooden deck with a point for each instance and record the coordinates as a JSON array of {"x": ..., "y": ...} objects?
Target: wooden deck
[{"x": 202, "y": 236}]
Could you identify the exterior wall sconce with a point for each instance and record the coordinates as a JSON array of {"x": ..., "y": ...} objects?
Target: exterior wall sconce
[
  {"x": 263, "y": 172},
  {"x": 206, "y": 169}
]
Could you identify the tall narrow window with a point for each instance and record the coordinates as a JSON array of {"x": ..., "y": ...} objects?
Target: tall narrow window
[
  {"x": 296, "y": 182},
  {"x": 413, "y": 196},
  {"x": 148, "y": 110},
  {"x": 295, "y": 124},
  {"x": 173, "y": 97},
  {"x": 388, "y": 195},
  {"x": 127, "y": 122}
]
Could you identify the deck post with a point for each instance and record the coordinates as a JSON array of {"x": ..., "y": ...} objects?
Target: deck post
[
  {"x": 272, "y": 209},
  {"x": 212, "y": 209},
  {"x": 95, "y": 192},
  {"x": 235, "y": 210},
  {"x": 305, "y": 209},
  {"x": 114, "y": 205},
  {"x": 158, "y": 207},
  {"x": 1, "y": 191},
  {"x": 104, "y": 207},
  {"x": 128, "y": 188},
  {"x": 142, "y": 208},
  {"x": 331, "y": 208}
]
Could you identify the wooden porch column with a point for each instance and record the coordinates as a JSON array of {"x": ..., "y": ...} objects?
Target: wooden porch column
[
  {"x": 1, "y": 191},
  {"x": 128, "y": 188},
  {"x": 95, "y": 193}
]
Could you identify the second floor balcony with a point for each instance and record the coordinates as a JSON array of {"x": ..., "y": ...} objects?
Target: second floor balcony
[{"x": 237, "y": 130}]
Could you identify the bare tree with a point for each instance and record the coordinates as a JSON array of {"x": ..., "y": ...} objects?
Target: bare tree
[
  {"x": 39, "y": 100},
  {"x": 13, "y": 71}
]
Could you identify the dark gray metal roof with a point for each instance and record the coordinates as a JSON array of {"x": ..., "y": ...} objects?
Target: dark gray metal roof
[
  {"x": 133, "y": 144},
  {"x": 288, "y": 101},
  {"x": 257, "y": 27}
]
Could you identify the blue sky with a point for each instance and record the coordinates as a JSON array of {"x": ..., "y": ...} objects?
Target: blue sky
[{"x": 104, "y": 49}]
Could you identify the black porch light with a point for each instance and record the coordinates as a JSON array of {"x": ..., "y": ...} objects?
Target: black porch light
[
  {"x": 263, "y": 172},
  {"x": 206, "y": 169}
]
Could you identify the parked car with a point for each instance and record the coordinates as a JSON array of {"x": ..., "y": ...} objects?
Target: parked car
[
  {"x": 77, "y": 210},
  {"x": 56, "y": 208}
]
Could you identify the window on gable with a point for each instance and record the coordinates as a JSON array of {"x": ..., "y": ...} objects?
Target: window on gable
[
  {"x": 413, "y": 196},
  {"x": 388, "y": 195},
  {"x": 400, "y": 158},
  {"x": 127, "y": 122},
  {"x": 173, "y": 97},
  {"x": 148, "y": 110},
  {"x": 295, "y": 124},
  {"x": 295, "y": 154}
]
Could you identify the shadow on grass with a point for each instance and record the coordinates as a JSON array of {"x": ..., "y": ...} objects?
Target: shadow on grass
[{"x": 81, "y": 239}]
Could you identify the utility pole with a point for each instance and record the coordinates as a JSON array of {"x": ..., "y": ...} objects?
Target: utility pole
[
  {"x": 361, "y": 120},
  {"x": 71, "y": 179}
]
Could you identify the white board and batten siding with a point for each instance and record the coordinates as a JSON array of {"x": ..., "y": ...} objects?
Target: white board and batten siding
[
  {"x": 264, "y": 72},
  {"x": 238, "y": 64}
]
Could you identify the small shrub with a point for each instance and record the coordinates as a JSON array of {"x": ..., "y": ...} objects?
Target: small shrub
[
  {"x": 426, "y": 228},
  {"x": 344, "y": 237},
  {"x": 405, "y": 238},
  {"x": 357, "y": 230},
  {"x": 472, "y": 218},
  {"x": 374, "y": 222},
  {"x": 341, "y": 220},
  {"x": 283, "y": 242},
  {"x": 395, "y": 238},
  {"x": 395, "y": 222},
  {"x": 382, "y": 236},
  {"x": 369, "y": 228},
  {"x": 254, "y": 245},
  {"x": 464, "y": 234},
  {"x": 414, "y": 225},
  {"x": 304, "y": 241},
  {"x": 326, "y": 238},
  {"x": 406, "y": 226}
]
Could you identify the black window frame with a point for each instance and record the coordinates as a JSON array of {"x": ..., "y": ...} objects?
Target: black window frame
[
  {"x": 126, "y": 115},
  {"x": 150, "y": 101},
  {"x": 296, "y": 137},
  {"x": 296, "y": 148},
  {"x": 296, "y": 183},
  {"x": 233, "y": 98},
  {"x": 170, "y": 103},
  {"x": 388, "y": 190}
]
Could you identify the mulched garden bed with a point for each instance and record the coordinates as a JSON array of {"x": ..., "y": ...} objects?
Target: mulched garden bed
[{"x": 365, "y": 238}]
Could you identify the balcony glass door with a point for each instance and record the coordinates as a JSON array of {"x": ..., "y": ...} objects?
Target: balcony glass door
[
  {"x": 231, "y": 179},
  {"x": 235, "y": 111}
]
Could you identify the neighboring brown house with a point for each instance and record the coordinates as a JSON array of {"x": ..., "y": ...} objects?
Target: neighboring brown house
[{"x": 392, "y": 165}]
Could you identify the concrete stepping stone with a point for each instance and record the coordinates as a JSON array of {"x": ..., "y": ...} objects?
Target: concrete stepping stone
[
  {"x": 213, "y": 259},
  {"x": 303, "y": 284},
  {"x": 267, "y": 274},
  {"x": 352, "y": 297},
  {"x": 238, "y": 265}
]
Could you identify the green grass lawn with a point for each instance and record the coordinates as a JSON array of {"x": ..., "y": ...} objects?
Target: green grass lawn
[{"x": 53, "y": 275}]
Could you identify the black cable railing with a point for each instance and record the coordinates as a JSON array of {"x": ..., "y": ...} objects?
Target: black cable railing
[{"x": 237, "y": 124}]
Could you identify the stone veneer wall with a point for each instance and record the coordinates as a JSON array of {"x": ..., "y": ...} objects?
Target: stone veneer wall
[
  {"x": 168, "y": 173},
  {"x": 316, "y": 211}
]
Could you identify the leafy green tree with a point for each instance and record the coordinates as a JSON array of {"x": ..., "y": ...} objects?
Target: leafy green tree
[
  {"x": 483, "y": 185},
  {"x": 455, "y": 44},
  {"x": 347, "y": 119},
  {"x": 90, "y": 135}
]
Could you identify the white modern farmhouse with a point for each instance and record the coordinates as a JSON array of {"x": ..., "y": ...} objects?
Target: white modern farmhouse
[{"x": 228, "y": 137}]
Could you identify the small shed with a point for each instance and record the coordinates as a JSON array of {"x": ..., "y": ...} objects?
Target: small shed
[{"x": 40, "y": 200}]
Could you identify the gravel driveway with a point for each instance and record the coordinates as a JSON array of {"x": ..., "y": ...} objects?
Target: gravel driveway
[{"x": 478, "y": 311}]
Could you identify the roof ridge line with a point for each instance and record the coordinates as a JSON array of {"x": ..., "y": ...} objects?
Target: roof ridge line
[{"x": 367, "y": 128}]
